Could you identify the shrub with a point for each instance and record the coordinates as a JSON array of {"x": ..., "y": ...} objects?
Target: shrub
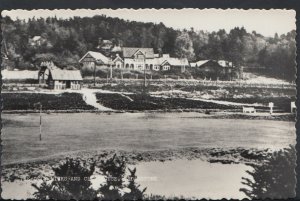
[
  {"x": 113, "y": 170},
  {"x": 65, "y": 187},
  {"x": 72, "y": 181},
  {"x": 26, "y": 101},
  {"x": 275, "y": 178},
  {"x": 134, "y": 192}
]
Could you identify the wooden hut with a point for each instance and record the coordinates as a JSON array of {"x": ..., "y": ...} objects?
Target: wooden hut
[{"x": 60, "y": 79}]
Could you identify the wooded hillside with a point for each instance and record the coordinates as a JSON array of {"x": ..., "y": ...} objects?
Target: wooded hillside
[{"x": 66, "y": 40}]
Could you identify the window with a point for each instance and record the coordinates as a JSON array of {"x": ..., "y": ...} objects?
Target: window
[
  {"x": 156, "y": 68},
  {"x": 118, "y": 65},
  {"x": 147, "y": 67},
  {"x": 127, "y": 65},
  {"x": 166, "y": 67},
  {"x": 151, "y": 67},
  {"x": 131, "y": 66}
]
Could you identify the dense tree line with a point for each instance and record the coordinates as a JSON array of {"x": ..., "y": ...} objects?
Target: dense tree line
[{"x": 69, "y": 39}]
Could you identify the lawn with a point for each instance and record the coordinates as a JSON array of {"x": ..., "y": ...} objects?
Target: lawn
[{"x": 63, "y": 133}]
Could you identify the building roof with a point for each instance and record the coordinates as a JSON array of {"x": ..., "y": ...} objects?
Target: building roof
[
  {"x": 61, "y": 74},
  {"x": 116, "y": 49},
  {"x": 97, "y": 56},
  {"x": 107, "y": 41},
  {"x": 130, "y": 51},
  {"x": 177, "y": 61},
  {"x": 193, "y": 64},
  {"x": 220, "y": 63},
  {"x": 225, "y": 63},
  {"x": 201, "y": 62},
  {"x": 35, "y": 38},
  {"x": 172, "y": 61},
  {"x": 20, "y": 74},
  {"x": 117, "y": 58}
]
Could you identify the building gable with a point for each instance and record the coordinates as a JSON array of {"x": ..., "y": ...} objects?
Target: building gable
[
  {"x": 128, "y": 52},
  {"x": 139, "y": 52},
  {"x": 91, "y": 56},
  {"x": 165, "y": 63},
  {"x": 118, "y": 58}
]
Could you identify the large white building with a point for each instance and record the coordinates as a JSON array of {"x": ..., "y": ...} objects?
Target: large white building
[{"x": 135, "y": 59}]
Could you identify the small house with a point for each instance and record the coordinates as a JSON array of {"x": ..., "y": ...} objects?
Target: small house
[
  {"x": 93, "y": 59},
  {"x": 60, "y": 79},
  {"x": 174, "y": 64},
  {"x": 215, "y": 69},
  {"x": 37, "y": 41}
]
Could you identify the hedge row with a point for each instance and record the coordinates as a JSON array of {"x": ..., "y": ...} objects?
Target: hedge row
[
  {"x": 28, "y": 101},
  {"x": 145, "y": 102}
]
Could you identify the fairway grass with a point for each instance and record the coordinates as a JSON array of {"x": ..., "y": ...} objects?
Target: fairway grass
[{"x": 80, "y": 132}]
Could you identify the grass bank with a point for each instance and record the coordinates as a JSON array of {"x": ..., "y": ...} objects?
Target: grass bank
[{"x": 38, "y": 168}]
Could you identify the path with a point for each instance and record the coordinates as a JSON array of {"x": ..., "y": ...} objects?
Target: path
[
  {"x": 218, "y": 101},
  {"x": 89, "y": 97},
  {"x": 227, "y": 102}
]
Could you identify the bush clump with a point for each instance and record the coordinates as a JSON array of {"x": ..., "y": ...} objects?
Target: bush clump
[
  {"x": 26, "y": 101},
  {"x": 72, "y": 180},
  {"x": 275, "y": 178}
]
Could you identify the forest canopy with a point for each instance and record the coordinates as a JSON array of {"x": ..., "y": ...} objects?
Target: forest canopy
[{"x": 67, "y": 40}]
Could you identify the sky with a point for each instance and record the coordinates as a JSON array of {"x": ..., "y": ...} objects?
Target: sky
[{"x": 265, "y": 22}]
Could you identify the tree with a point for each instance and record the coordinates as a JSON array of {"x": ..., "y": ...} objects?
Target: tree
[
  {"x": 72, "y": 38},
  {"x": 184, "y": 46},
  {"x": 237, "y": 46},
  {"x": 275, "y": 179}
]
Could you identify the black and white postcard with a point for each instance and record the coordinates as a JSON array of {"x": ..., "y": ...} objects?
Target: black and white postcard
[{"x": 150, "y": 104}]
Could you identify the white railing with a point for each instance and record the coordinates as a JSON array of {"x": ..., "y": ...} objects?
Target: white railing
[
  {"x": 75, "y": 86},
  {"x": 59, "y": 86}
]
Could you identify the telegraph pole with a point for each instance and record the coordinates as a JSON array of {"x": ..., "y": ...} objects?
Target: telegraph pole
[
  {"x": 5, "y": 47},
  {"x": 94, "y": 73},
  {"x": 145, "y": 72},
  {"x": 111, "y": 63},
  {"x": 40, "y": 122}
]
